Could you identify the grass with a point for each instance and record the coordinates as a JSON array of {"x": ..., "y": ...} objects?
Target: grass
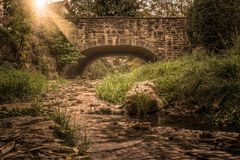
[
  {"x": 114, "y": 87},
  {"x": 63, "y": 130},
  {"x": 34, "y": 111},
  {"x": 16, "y": 85},
  {"x": 72, "y": 136},
  {"x": 56, "y": 84},
  {"x": 141, "y": 105},
  {"x": 209, "y": 81}
]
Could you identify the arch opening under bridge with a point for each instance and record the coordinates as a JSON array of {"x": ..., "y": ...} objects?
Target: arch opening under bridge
[{"x": 95, "y": 53}]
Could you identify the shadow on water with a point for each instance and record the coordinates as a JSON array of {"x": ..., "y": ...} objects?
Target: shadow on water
[
  {"x": 182, "y": 122},
  {"x": 166, "y": 138}
]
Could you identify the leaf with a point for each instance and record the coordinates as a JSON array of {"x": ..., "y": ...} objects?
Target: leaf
[
  {"x": 7, "y": 147},
  {"x": 69, "y": 158},
  {"x": 76, "y": 150}
]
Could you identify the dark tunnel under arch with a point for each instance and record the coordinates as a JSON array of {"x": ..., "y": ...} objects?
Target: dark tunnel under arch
[{"x": 92, "y": 54}]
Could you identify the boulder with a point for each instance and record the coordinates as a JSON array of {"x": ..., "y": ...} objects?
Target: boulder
[{"x": 142, "y": 100}]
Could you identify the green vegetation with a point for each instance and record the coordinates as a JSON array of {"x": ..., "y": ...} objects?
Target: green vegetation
[
  {"x": 34, "y": 110},
  {"x": 99, "y": 69},
  {"x": 125, "y": 8},
  {"x": 56, "y": 84},
  {"x": 16, "y": 85},
  {"x": 213, "y": 23},
  {"x": 18, "y": 26},
  {"x": 104, "y": 111},
  {"x": 211, "y": 82},
  {"x": 114, "y": 87},
  {"x": 63, "y": 129},
  {"x": 106, "y": 66},
  {"x": 116, "y": 7},
  {"x": 6, "y": 39},
  {"x": 23, "y": 40},
  {"x": 59, "y": 45},
  {"x": 72, "y": 136},
  {"x": 104, "y": 8},
  {"x": 141, "y": 105}
]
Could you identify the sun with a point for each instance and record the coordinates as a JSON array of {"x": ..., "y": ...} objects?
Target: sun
[{"x": 40, "y": 4}]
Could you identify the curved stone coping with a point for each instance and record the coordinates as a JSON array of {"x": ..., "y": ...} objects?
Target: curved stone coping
[{"x": 71, "y": 18}]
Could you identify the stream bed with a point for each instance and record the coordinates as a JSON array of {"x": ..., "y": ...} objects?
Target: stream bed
[{"x": 113, "y": 136}]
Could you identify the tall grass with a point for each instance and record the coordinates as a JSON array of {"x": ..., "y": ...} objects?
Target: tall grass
[
  {"x": 18, "y": 85},
  {"x": 211, "y": 82},
  {"x": 114, "y": 87}
]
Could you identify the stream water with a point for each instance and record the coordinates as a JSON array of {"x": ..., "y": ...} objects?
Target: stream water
[{"x": 118, "y": 137}]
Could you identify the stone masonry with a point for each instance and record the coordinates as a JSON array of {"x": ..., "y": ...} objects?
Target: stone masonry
[{"x": 165, "y": 37}]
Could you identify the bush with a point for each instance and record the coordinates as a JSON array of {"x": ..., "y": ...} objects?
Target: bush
[
  {"x": 19, "y": 85},
  {"x": 62, "y": 49},
  {"x": 213, "y": 23}
]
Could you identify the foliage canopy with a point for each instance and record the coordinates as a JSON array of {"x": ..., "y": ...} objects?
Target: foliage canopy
[
  {"x": 213, "y": 23},
  {"x": 18, "y": 25},
  {"x": 132, "y": 8}
]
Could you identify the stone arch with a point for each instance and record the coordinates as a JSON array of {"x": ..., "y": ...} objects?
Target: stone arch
[
  {"x": 114, "y": 41},
  {"x": 94, "y": 53}
]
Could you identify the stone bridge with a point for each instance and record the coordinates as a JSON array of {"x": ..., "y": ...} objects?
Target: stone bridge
[{"x": 150, "y": 39}]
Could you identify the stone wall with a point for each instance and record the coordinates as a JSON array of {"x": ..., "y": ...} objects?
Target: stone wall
[{"x": 165, "y": 37}]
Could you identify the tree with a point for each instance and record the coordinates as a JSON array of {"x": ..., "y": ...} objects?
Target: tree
[
  {"x": 89, "y": 8},
  {"x": 116, "y": 7},
  {"x": 140, "y": 8},
  {"x": 18, "y": 25},
  {"x": 213, "y": 23},
  {"x": 81, "y": 8},
  {"x": 164, "y": 8}
]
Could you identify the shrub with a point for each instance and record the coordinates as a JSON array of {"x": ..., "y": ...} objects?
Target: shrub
[
  {"x": 213, "y": 23},
  {"x": 19, "y": 85},
  {"x": 65, "y": 52},
  {"x": 58, "y": 43}
]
